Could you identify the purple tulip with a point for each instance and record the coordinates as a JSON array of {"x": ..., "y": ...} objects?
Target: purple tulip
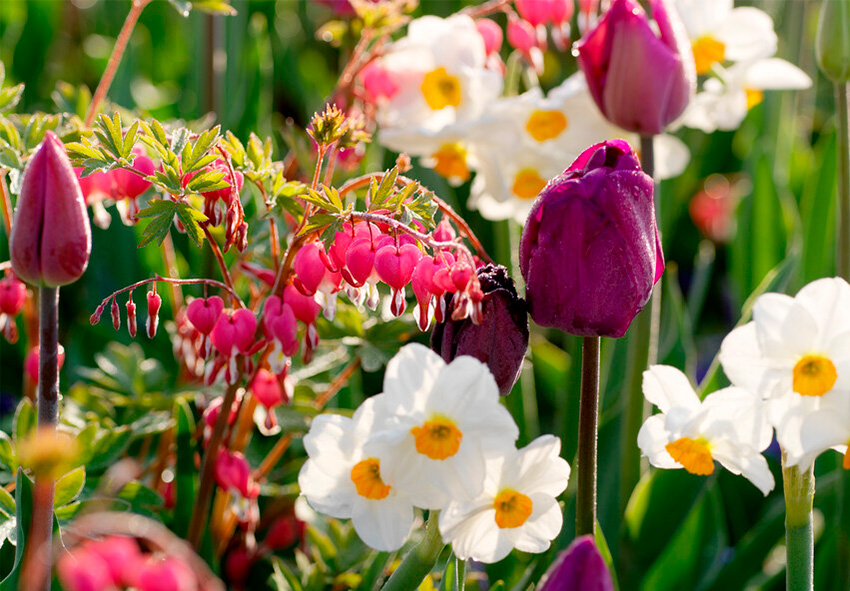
[
  {"x": 499, "y": 340},
  {"x": 578, "y": 568},
  {"x": 641, "y": 81},
  {"x": 590, "y": 252},
  {"x": 50, "y": 240}
]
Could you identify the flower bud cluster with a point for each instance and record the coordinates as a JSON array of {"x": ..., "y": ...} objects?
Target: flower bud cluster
[{"x": 117, "y": 562}]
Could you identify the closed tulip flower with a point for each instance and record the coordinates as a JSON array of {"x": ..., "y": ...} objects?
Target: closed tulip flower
[
  {"x": 641, "y": 74},
  {"x": 50, "y": 240},
  {"x": 578, "y": 568},
  {"x": 499, "y": 340},
  {"x": 590, "y": 252}
]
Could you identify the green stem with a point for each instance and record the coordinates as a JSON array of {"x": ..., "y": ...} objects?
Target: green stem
[
  {"x": 420, "y": 560},
  {"x": 587, "y": 434},
  {"x": 799, "y": 532},
  {"x": 842, "y": 91}
]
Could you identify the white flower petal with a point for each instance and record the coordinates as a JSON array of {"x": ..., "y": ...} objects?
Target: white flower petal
[
  {"x": 746, "y": 461},
  {"x": 542, "y": 526},
  {"x": 743, "y": 361},
  {"x": 383, "y": 524},
  {"x": 537, "y": 468},
  {"x": 667, "y": 387},
  {"x": 653, "y": 438},
  {"x": 775, "y": 74},
  {"x": 410, "y": 373},
  {"x": 747, "y": 34}
]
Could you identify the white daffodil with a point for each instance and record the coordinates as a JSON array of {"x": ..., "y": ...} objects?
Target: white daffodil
[
  {"x": 719, "y": 32},
  {"x": 795, "y": 354},
  {"x": 439, "y": 424},
  {"x": 724, "y": 101},
  {"x": 729, "y": 426},
  {"x": 440, "y": 72},
  {"x": 345, "y": 478},
  {"x": 517, "y": 507}
]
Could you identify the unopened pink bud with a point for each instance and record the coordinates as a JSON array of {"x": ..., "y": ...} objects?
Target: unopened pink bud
[
  {"x": 95, "y": 317},
  {"x": 131, "y": 316},
  {"x": 491, "y": 33},
  {"x": 116, "y": 314},
  {"x": 50, "y": 241},
  {"x": 444, "y": 231},
  {"x": 154, "y": 303},
  {"x": 13, "y": 293}
]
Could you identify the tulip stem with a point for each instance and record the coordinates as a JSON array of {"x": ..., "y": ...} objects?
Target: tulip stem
[
  {"x": 115, "y": 59},
  {"x": 39, "y": 550},
  {"x": 588, "y": 415},
  {"x": 842, "y": 91},
  {"x": 799, "y": 531},
  {"x": 420, "y": 560}
]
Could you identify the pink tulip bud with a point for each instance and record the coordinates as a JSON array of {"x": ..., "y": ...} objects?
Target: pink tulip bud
[
  {"x": 116, "y": 314},
  {"x": 154, "y": 303},
  {"x": 204, "y": 313},
  {"x": 491, "y": 33},
  {"x": 50, "y": 241},
  {"x": 13, "y": 294},
  {"x": 131, "y": 316}
]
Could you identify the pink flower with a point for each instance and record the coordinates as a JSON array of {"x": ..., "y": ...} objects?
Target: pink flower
[
  {"x": 203, "y": 313},
  {"x": 491, "y": 33},
  {"x": 377, "y": 81},
  {"x": 164, "y": 573},
  {"x": 13, "y": 294},
  {"x": 84, "y": 570},
  {"x": 233, "y": 474},
  {"x": 31, "y": 362}
]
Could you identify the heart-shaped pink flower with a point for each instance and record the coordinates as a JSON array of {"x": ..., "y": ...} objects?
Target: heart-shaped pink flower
[
  {"x": 305, "y": 307},
  {"x": 234, "y": 332},
  {"x": 204, "y": 313},
  {"x": 395, "y": 266},
  {"x": 266, "y": 389}
]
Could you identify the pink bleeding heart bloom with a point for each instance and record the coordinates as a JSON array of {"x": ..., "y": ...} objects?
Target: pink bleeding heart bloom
[
  {"x": 444, "y": 232},
  {"x": 31, "y": 362},
  {"x": 84, "y": 570},
  {"x": 522, "y": 36},
  {"x": 203, "y": 313},
  {"x": 641, "y": 75},
  {"x": 536, "y": 12},
  {"x": 267, "y": 390},
  {"x": 238, "y": 565},
  {"x": 128, "y": 185},
  {"x": 233, "y": 474},
  {"x": 95, "y": 187},
  {"x": 306, "y": 310},
  {"x": 13, "y": 294},
  {"x": 164, "y": 573},
  {"x": 377, "y": 81},
  {"x": 154, "y": 304},
  {"x": 210, "y": 416},
  {"x": 491, "y": 33},
  {"x": 312, "y": 272},
  {"x": 426, "y": 289},
  {"x": 119, "y": 553},
  {"x": 284, "y": 532},
  {"x": 279, "y": 324},
  {"x": 561, "y": 11},
  {"x": 50, "y": 241},
  {"x": 232, "y": 334},
  {"x": 395, "y": 266}
]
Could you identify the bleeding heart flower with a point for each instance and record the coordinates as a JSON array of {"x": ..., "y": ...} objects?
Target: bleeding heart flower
[
  {"x": 131, "y": 315},
  {"x": 164, "y": 573},
  {"x": 395, "y": 265},
  {"x": 31, "y": 362},
  {"x": 267, "y": 390},
  {"x": 377, "y": 81},
  {"x": 536, "y": 12},
  {"x": 279, "y": 324},
  {"x": 154, "y": 303},
  {"x": 13, "y": 293},
  {"x": 203, "y": 313},
  {"x": 491, "y": 33},
  {"x": 233, "y": 474}
]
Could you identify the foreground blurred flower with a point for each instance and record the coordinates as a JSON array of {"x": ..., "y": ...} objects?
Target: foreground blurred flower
[
  {"x": 590, "y": 252},
  {"x": 578, "y": 568},
  {"x": 728, "y": 426},
  {"x": 641, "y": 79},
  {"x": 499, "y": 340},
  {"x": 50, "y": 241},
  {"x": 345, "y": 478},
  {"x": 796, "y": 354},
  {"x": 517, "y": 507},
  {"x": 833, "y": 40},
  {"x": 440, "y": 422}
]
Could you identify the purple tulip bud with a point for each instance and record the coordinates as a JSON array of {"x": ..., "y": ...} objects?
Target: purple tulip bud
[
  {"x": 641, "y": 74},
  {"x": 499, "y": 340},
  {"x": 50, "y": 240},
  {"x": 578, "y": 568},
  {"x": 590, "y": 252}
]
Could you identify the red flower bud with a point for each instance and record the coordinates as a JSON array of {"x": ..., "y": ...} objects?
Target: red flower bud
[
  {"x": 50, "y": 242},
  {"x": 154, "y": 303},
  {"x": 131, "y": 316},
  {"x": 116, "y": 314},
  {"x": 491, "y": 33},
  {"x": 13, "y": 293}
]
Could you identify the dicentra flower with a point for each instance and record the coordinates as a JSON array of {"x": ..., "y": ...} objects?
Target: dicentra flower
[
  {"x": 344, "y": 477},
  {"x": 440, "y": 423},
  {"x": 516, "y": 508},
  {"x": 795, "y": 354}
]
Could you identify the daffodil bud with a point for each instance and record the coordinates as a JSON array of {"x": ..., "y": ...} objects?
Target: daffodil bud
[
  {"x": 833, "y": 40},
  {"x": 590, "y": 252},
  {"x": 641, "y": 74},
  {"x": 499, "y": 340},
  {"x": 50, "y": 241}
]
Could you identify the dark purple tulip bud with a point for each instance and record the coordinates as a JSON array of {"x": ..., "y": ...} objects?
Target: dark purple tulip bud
[
  {"x": 578, "y": 568},
  {"x": 641, "y": 74},
  {"x": 590, "y": 252},
  {"x": 499, "y": 340},
  {"x": 50, "y": 241}
]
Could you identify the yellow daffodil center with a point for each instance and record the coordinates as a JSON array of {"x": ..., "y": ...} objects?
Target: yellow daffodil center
[
  {"x": 707, "y": 52},
  {"x": 450, "y": 162},
  {"x": 366, "y": 476},
  {"x": 546, "y": 125},
  {"x": 754, "y": 97},
  {"x": 512, "y": 508},
  {"x": 693, "y": 454},
  {"x": 814, "y": 375},
  {"x": 438, "y": 438},
  {"x": 441, "y": 89},
  {"x": 527, "y": 184}
]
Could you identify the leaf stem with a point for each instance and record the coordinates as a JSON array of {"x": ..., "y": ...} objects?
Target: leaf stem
[
  {"x": 420, "y": 560},
  {"x": 219, "y": 257},
  {"x": 587, "y": 435},
  {"x": 842, "y": 91},
  {"x": 115, "y": 59},
  {"x": 799, "y": 531}
]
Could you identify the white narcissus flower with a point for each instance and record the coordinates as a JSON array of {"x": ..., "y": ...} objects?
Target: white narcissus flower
[
  {"x": 796, "y": 354},
  {"x": 729, "y": 426},
  {"x": 438, "y": 424},
  {"x": 344, "y": 477},
  {"x": 516, "y": 508},
  {"x": 440, "y": 72}
]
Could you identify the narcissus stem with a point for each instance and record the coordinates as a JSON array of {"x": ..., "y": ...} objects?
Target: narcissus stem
[
  {"x": 588, "y": 415},
  {"x": 420, "y": 560},
  {"x": 842, "y": 95},
  {"x": 799, "y": 532}
]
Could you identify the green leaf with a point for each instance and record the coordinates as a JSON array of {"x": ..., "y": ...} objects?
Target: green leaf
[
  {"x": 283, "y": 579},
  {"x": 318, "y": 221},
  {"x": 157, "y": 229},
  {"x": 69, "y": 486},
  {"x": 156, "y": 208},
  {"x": 23, "y": 516},
  {"x": 207, "y": 180},
  {"x": 184, "y": 485},
  {"x": 384, "y": 189},
  {"x": 25, "y": 420},
  {"x": 190, "y": 217},
  {"x": 9, "y": 97},
  {"x": 7, "y": 502},
  {"x": 7, "y": 453},
  {"x": 193, "y": 156},
  {"x": 214, "y": 7}
]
